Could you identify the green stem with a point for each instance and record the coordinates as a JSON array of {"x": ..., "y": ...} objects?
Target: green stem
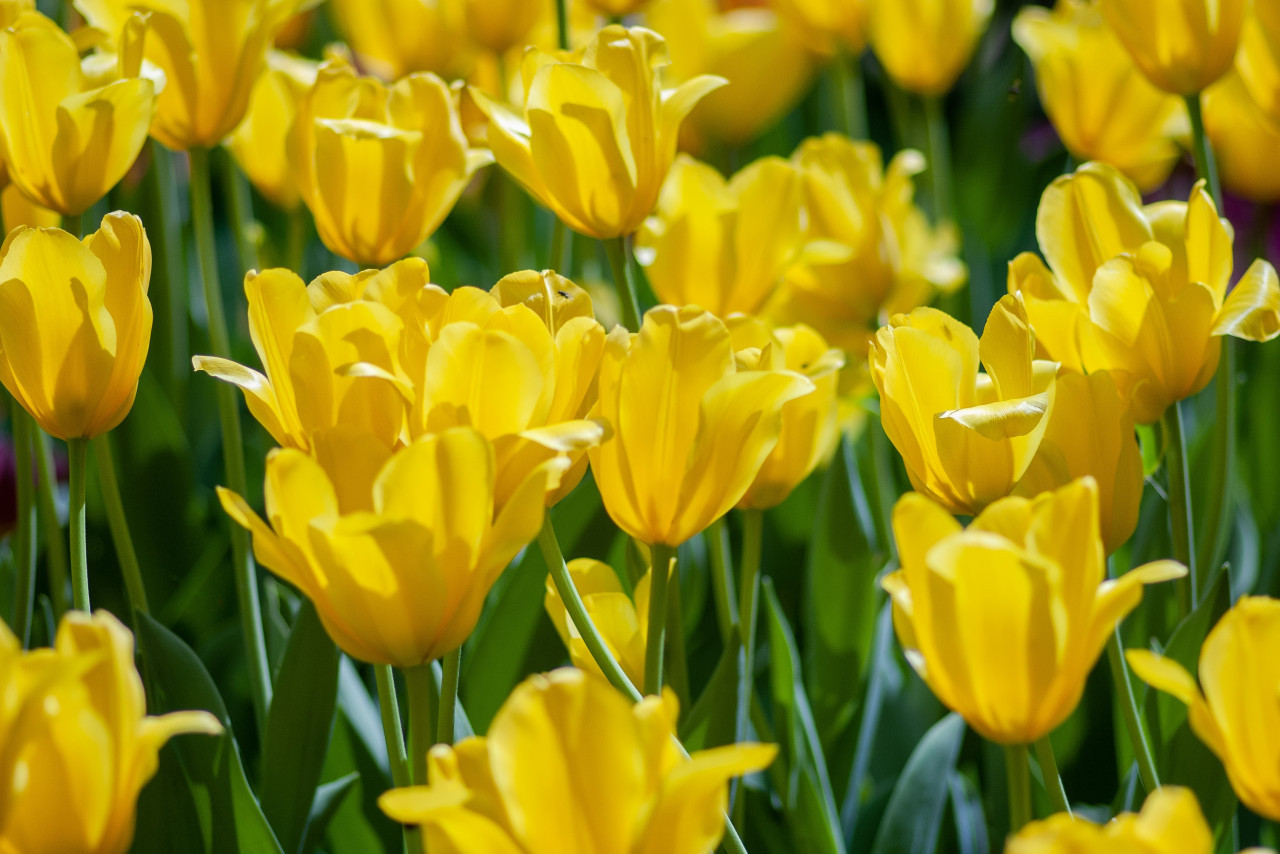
[
  {"x": 677, "y": 661},
  {"x": 392, "y": 730},
  {"x": 659, "y": 574},
  {"x": 54, "y": 544},
  {"x": 240, "y": 201},
  {"x": 722, "y": 585},
  {"x": 1222, "y": 473},
  {"x": 232, "y": 444},
  {"x": 559, "y": 246},
  {"x": 619, "y": 252},
  {"x": 1015, "y": 763},
  {"x": 562, "y": 24},
  {"x": 1206, "y": 167},
  {"x": 1180, "y": 520},
  {"x": 419, "y": 685},
  {"x": 119, "y": 524},
  {"x": 577, "y": 611},
  {"x": 1129, "y": 710},
  {"x": 1052, "y": 779},
  {"x": 25, "y": 532},
  {"x": 939, "y": 159},
  {"x": 296, "y": 245},
  {"x": 77, "y": 453},
  {"x": 167, "y": 228},
  {"x": 880, "y": 491},
  {"x": 749, "y": 591},
  {"x": 850, "y": 95},
  {"x": 73, "y": 225},
  {"x": 448, "y": 696}
]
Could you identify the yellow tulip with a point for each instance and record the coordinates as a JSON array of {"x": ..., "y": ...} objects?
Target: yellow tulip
[
  {"x": 211, "y": 52},
  {"x": 75, "y": 323},
  {"x": 500, "y": 26},
  {"x": 622, "y": 623},
  {"x": 690, "y": 430},
  {"x": 1236, "y": 716},
  {"x": 827, "y": 23},
  {"x": 261, "y": 143},
  {"x": 810, "y": 424},
  {"x": 1170, "y": 823},
  {"x": 69, "y": 134},
  {"x": 767, "y": 66},
  {"x": 598, "y": 133},
  {"x": 398, "y": 37},
  {"x": 1244, "y": 139},
  {"x": 925, "y": 44},
  {"x": 78, "y": 744},
  {"x": 1258, "y": 59},
  {"x": 1099, "y": 102},
  {"x": 1183, "y": 46},
  {"x": 380, "y": 167},
  {"x": 1005, "y": 619},
  {"x": 616, "y": 8},
  {"x": 20, "y": 210},
  {"x": 571, "y": 767},
  {"x": 723, "y": 245},
  {"x": 1123, "y": 281},
  {"x": 397, "y": 551}
]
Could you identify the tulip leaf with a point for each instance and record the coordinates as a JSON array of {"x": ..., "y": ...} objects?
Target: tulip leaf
[
  {"x": 913, "y": 818},
  {"x": 168, "y": 819},
  {"x": 969, "y": 817},
  {"x": 299, "y": 725},
  {"x": 1152, "y": 449},
  {"x": 329, "y": 797},
  {"x": 357, "y": 824},
  {"x": 718, "y": 715},
  {"x": 362, "y": 715}
]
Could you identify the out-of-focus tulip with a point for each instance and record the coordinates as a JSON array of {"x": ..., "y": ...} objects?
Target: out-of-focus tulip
[
  {"x": 396, "y": 550},
  {"x": 570, "y": 765},
  {"x": 616, "y": 8},
  {"x": 18, "y": 210},
  {"x": 1170, "y": 823},
  {"x": 690, "y": 430},
  {"x": 380, "y": 167},
  {"x": 828, "y": 23},
  {"x": 1258, "y": 59},
  {"x": 1005, "y": 619},
  {"x": 1236, "y": 716},
  {"x": 261, "y": 143},
  {"x": 1123, "y": 281},
  {"x": 211, "y": 52},
  {"x": 599, "y": 133},
  {"x": 397, "y": 37},
  {"x": 1183, "y": 46},
  {"x": 1245, "y": 140},
  {"x": 75, "y": 323},
  {"x": 810, "y": 424},
  {"x": 723, "y": 245},
  {"x": 500, "y": 26},
  {"x": 1102, "y": 106},
  {"x": 622, "y": 623},
  {"x": 79, "y": 745},
  {"x": 767, "y": 65},
  {"x": 925, "y": 44}
]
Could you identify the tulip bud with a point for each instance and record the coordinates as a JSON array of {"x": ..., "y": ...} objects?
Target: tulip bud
[
  {"x": 829, "y": 25},
  {"x": 260, "y": 144},
  {"x": 393, "y": 38},
  {"x": 1244, "y": 140},
  {"x": 622, "y": 624},
  {"x": 1170, "y": 823},
  {"x": 499, "y": 26},
  {"x": 1183, "y": 46},
  {"x": 925, "y": 44}
]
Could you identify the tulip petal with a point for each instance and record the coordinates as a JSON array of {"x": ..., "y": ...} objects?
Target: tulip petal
[
  {"x": 1252, "y": 309},
  {"x": 272, "y": 551},
  {"x": 258, "y": 393},
  {"x": 1007, "y": 349}
]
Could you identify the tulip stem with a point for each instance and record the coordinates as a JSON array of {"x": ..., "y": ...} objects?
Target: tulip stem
[
  {"x": 722, "y": 578},
  {"x": 749, "y": 592},
  {"x": 577, "y": 611},
  {"x": 1132, "y": 719},
  {"x": 392, "y": 730},
  {"x": 232, "y": 444},
  {"x": 1222, "y": 472},
  {"x": 678, "y": 666},
  {"x": 850, "y": 94},
  {"x": 1206, "y": 166},
  {"x": 559, "y": 242},
  {"x": 25, "y": 532},
  {"x": 119, "y": 525},
  {"x": 939, "y": 159},
  {"x": 1180, "y": 523},
  {"x": 77, "y": 453},
  {"x": 73, "y": 225},
  {"x": 1019, "y": 771},
  {"x": 1052, "y": 779},
  {"x": 659, "y": 575},
  {"x": 241, "y": 203},
  {"x": 619, "y": 253},
  {"x": 167, "y": 226},
  {"x": 562, "y": 24},
  {"x": 418, "y": 682},
  {"x": 448, "y": 696},
  {"x": 55, "y": 545}
]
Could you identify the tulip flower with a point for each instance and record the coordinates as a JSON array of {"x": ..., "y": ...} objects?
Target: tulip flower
[
  {"x": 1233, "y": 710},
  {"x": 79, "y": 745},
  {"x": 621, "y": 622},
  {"x": 690, "y": 430},
  {"x": 261, "y": 143},
  {"x": 570, "y": 765},
  {"x": 1102, "y": 106},
  {"x": 500, "y": 25},
  {"x": 810, "y": 424},
  {"x": 1005, "y": 619},
  {"x": 393, "y": 38},
  {"x": 1124, "y": 280},
  {"x": 1170, "y": 823},
  {"x": 396, "y": 550},
  {"x": 616, "y": 8},
  {"x": 829, "y": 23},
  {"x": 211, "y": 52},
  {"x": 1183, "y": 46},
  {"x": 69, "y": 133},
  {"x": 380, "y": 167},
  {"x": 925, "y": 44},
  {"x": 723, "y": 245},
  {"x": 1244, "y": 138},
  {"x": 1258, "y": 60},
  {"x": 75, "y": 323},
  {"x": 598, "y": 133}
]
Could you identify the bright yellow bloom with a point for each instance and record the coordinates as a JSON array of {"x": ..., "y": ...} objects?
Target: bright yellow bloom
[
  {"x": 261, "y": 143},
  {"x": 398, "y": 37},
  {"x": 397, "y": 551},
  {"x": 75, "y": 323},
  {"x": 380, "y": 167},
  {"x": 78, "y": 744},
  {"x": 1237, "y": 716},
  {"x": 211, "y": 52},
  {"x": 1183, "y": 46},
  {"x": 690, "y": 429},
  {"x": 1258, "y": 59},
  {"x": 810, "y": 424},
  {"x": 1102, "y": 106},
  {"x": 69, "y": 133},
  {"x": 1244, "y": 138},
  {"x": 622, "y": 623},
  {"x": 825, "y": 22},
  {"x": 723, "y": 245},
  {"x": 616, "y": 8},
  {"x": 925, "y": 44},
  {"x": 18, "y": 210},
  {"x": 571, "y": 767},
  {"x": 1170, "y": 823},
  {"x": 500, "y": 25},
  {"x": 1139, "y": 291},
  {"x": 1004, "y": 619},
  {"x": 598, "y": 133}
]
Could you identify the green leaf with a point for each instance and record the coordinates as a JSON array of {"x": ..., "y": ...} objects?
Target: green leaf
[
  {"x": 715, "y": 717},
  {"x": 167, "y": 816},
  {"x": 299, "y": 725},
  {"x": 968, "y": 815},
  {"x": 329, "y": 798},
  {"x": 913, "y": 818},
  {"x": 1152, "y": 449}
]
